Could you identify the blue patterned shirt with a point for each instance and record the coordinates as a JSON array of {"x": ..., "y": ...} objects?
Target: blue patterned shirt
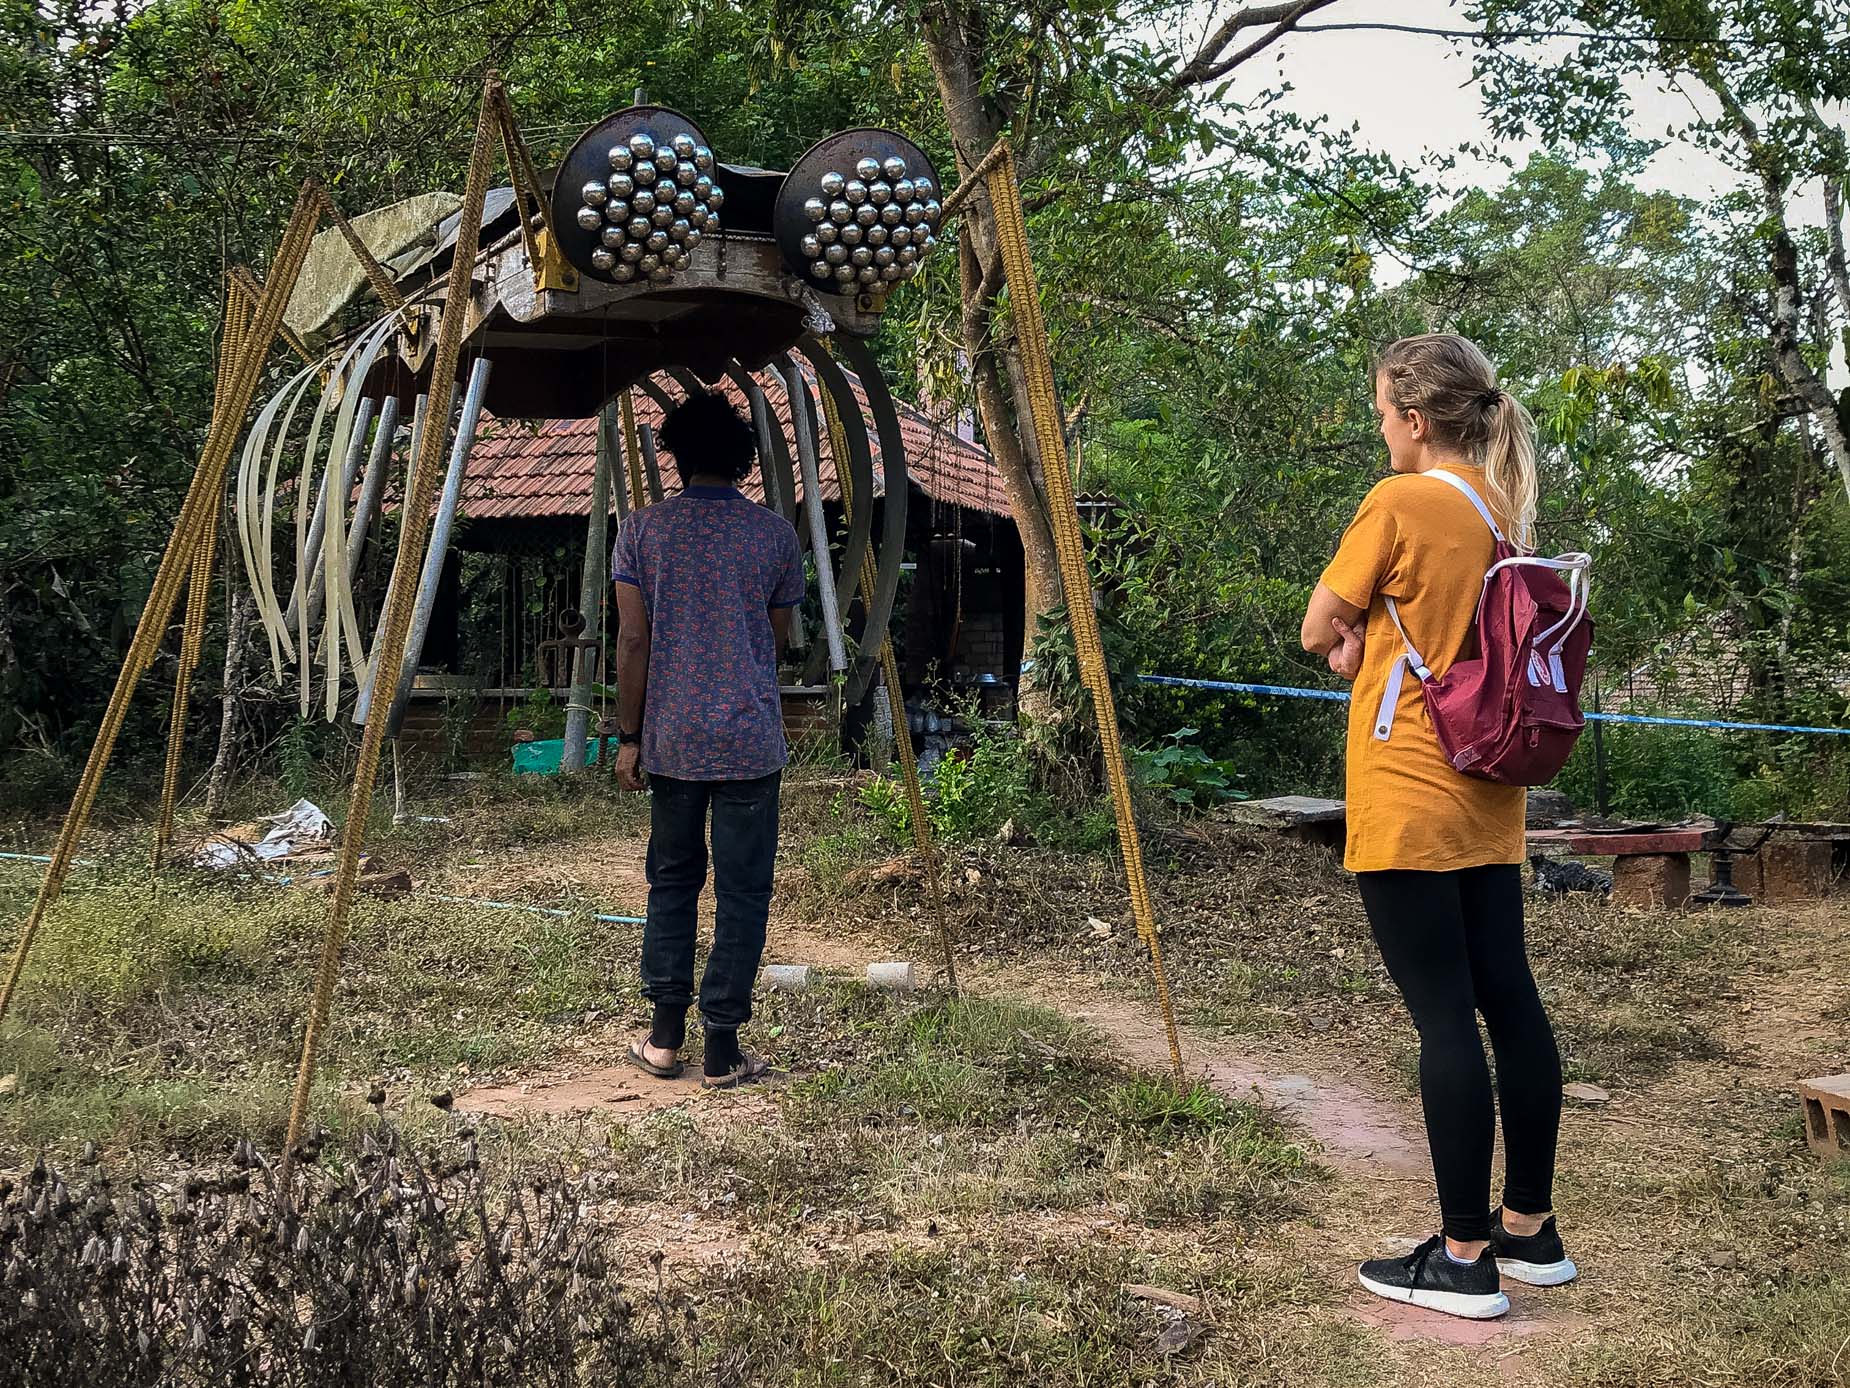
[{"x": 710, "y": 565}]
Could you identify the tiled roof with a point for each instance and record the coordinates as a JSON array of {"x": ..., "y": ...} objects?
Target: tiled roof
[{"x": 544, "y": 468}]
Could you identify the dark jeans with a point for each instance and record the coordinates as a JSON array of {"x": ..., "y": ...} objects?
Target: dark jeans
[
  {"x": 1453, "y": 944},
  {"x": 744, "y": 855}
]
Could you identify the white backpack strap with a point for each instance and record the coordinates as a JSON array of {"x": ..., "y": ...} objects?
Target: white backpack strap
[
  {"x": 1397, "y": 673},
  {"x": 1470, "y": 493}
]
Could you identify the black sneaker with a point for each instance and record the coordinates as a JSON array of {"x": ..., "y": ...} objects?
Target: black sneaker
[
  {"x": 1431, "y": 1277},
  {"x": 1537, "y": 1259}
]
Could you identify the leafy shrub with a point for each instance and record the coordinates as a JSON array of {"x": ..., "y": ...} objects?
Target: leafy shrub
[
  {"x": 1185, "y": 774},
  {"x": 539, "y": 713},
  {"x": 395, "y": 1271}
]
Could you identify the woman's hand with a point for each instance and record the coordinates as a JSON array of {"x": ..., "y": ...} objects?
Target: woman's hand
[{"x": 1346, "y": 655}]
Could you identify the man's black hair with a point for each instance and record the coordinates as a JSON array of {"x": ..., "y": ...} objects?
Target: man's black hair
[{"x": 707, "y": 435}]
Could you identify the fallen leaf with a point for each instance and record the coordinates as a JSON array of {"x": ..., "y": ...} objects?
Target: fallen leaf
[
  {"x": 8, "y": 1083},
  {"x": 1177, "y": 1337},
  {"x": 1586, "y": 1093}
]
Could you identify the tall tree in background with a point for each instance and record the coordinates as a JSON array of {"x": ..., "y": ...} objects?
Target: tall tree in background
[{"x": 1759, "y": 79}]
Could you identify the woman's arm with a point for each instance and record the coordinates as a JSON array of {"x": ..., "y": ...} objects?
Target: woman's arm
[{"x": 1333, "y": 628}]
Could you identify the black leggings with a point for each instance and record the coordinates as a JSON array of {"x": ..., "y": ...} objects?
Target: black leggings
[{"x": 1453, "y": 945}]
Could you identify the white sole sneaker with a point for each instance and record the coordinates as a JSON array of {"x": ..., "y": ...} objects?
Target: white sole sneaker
[
  {"x": 1539, "y": 1274},
  {"x": 1465, "y": 1305}
]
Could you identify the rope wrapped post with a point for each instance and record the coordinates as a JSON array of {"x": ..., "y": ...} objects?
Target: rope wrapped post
[
  {"x": 241, "y": 361},
  {"x": 1037, "y": 364},
  {"x": 922, "y": 842},
  {"x": 396, "y": 620}
]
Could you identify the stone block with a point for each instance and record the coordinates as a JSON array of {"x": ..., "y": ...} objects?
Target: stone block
[
  {"x": 791, "y": 978},
  {"x": 1651, "y": 881},
  {"x": 896, "y": 976},
  {"x": 1789, "y": 870},
  {"x": 1548, "y": 808},
  {"x": 1827, "y": 1115}
]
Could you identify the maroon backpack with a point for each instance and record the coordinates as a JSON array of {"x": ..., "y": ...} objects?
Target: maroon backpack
[{"x": 1510, "y": 712}]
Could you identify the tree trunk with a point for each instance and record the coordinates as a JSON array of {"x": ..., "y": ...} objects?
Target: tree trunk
[{"x": 957, "y": 55}]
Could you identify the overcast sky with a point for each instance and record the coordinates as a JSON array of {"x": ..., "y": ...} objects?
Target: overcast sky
[{"x": 1413, "y": 93}]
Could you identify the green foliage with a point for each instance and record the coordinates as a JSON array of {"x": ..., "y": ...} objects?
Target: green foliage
[
  {"x": 1186, "y": 774},
  {"x": 539, "y": 713}
]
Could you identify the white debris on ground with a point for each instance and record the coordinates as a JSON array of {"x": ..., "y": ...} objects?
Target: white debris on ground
[{"x": 302, "y": 826}]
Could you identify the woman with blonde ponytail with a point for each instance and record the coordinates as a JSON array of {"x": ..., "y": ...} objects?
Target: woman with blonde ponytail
[{"x": 1437, "y": 854}]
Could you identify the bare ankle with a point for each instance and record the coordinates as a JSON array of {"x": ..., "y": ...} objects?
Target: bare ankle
[{"x": 1524, "y": 1224}]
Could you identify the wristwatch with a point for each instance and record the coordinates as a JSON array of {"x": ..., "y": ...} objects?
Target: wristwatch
[{"x": 629, "y": 739}]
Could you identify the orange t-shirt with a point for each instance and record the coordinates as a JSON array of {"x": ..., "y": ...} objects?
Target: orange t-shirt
[{"x": 1419, "y": 541}]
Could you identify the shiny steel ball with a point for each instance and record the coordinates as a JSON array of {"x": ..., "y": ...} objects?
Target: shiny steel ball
[
  {"x": 821, "y": 269},
  {"x": 663, "y": 216},
  {"x": 632, "y": 252},
  {"x": 613, "y": 237},
  {"x": 867, "y": 170},
  {"x": 620, "y": 157},
  {"x": 626, "y": 274},
  {"x": 867, "y": 274},
  {"x": 861, "y": 255},
  {"x": 867, "y": 214},
  {"x": 852, "y": 235},
  {"x": 894, "y": 168},
  {"x": 665, "y": 160},
  {"x": 905, "y": 255},
  {"x": 621, "y": 185},
  {"x": 644, "y": 174},
  {"x": 902, "y": 190},
  {"x": 885, "y": 255},
  {"x": 812, "y": 246},
  {"x": 836, "y": 255},
  {"x": 638, "y": 228},
  {"x": 603, "y": 259},
  {"x": 657, "y": 242},
  {"x": 899, "y": 236},
  {"x": 686, "y": 175},
  {"x": 661, "y": 275},
  {"x": 880, "y": 194},
  {"x": 816, "y": 209},
  {"x": 680, "y": 229},
  {"x": 906, "y": 272},
  {"x": 684, "y": 146},
  {"x": 845, "y": 273},
  {"x": 925, "y": 249},
  {"x": 712, "y": 226},
  {"x": 642, "y": 145},
  {"x": 590, "y": 218},
  {"x": 617, "y": 212},
  {"x": 890, "y": 273},
  {"x": 649, "y": 264},
  {"x": 703, "y": 158},
  {"x": 693, "y": 237},
  {"x": 832, "y": 184},
  {"x": 716, "y": 198},
  {"x": 855, "y": 192},
  {"x": 840, "y": 213},
  {"x": 914, "y": 213},
  {"x": 923, "y": 187},
  {"x": 828, "y": 233},
  {"x": 876, "y": 236},
  {"x": 893, "y": 214},
  {"x": 643, "y": 202},
  {"x": 933, "y": 210},
  {"x": 703, "y": 189},
  {"x": 594, "y": 193},
  {"x": 699, "y": 217}
]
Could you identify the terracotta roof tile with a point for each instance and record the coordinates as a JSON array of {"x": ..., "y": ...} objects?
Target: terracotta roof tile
[{"x": 545, "y": 468}]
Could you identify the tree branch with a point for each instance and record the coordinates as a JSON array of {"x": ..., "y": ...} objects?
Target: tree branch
[{"x": 1208, "y": 62}]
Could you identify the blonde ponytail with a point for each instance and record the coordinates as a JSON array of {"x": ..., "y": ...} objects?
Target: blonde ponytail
[{"x": 1450, "y": 381}]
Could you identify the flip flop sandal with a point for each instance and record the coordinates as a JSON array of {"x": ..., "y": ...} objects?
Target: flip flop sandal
[
  {"x": 643, "y": 1063},
  {"x": 747, "y": 1071}
]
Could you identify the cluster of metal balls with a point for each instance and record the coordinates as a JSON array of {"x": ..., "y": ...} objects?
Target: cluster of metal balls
[
  {"x": 658, "y": 204},
  {"x": 872, "y": 228}
]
